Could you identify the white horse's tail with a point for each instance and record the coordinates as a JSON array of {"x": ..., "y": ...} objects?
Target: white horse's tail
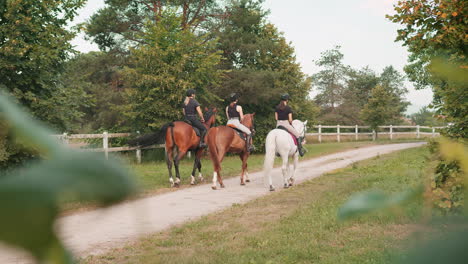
[{"x": 270, "y": 152}]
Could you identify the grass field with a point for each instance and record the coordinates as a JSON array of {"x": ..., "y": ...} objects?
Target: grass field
[
  {"x": 153, "y": 177},
  {"x": 297, "y": 225}
]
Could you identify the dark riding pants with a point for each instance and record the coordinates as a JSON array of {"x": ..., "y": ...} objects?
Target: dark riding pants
[{"x": 197, "y": 123}]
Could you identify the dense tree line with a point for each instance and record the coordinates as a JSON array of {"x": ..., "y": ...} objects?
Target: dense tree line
[{"x": 151, "y": 52}]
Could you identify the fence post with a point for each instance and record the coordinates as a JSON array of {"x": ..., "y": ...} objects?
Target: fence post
[
  {"x": 138, "y": 152},
  {"x": 433, "y": 132},
  {"x": 320, "y": 133},
  {"x": 417, "y": 131},
  {"x": 65, "y": 139},
  {"x": 373, "y": 134},
  {"x": 391, "y": 132},
  {"x": 356, "y": 132},
  {"x": 105, "y": 144},
  {"x": 338, "y": 133}
]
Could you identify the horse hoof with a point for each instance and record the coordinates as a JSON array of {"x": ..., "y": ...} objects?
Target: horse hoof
[
  {"x": 213, "y": 187},
  {"x": 242, "y": 183},
  {"x": 247, "y": 180},
  {"x": 286, "y": 185},
  {"x": 192, "y": 183},
  {"x": 290, "y": 184},
  {"x": 222, "y": 185},
  {"x": 272, "y": 189}
]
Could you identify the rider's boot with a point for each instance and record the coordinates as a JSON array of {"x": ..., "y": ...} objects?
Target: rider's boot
[
  {"x": 300, "y": 149},
  {"x": 202, "y": 139},
  {"x": 249, "y": 146}
]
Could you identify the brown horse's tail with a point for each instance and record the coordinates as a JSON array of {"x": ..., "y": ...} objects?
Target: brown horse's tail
[
  {"x": 211, "y": 141},
  {"x": 152, "y": 138}
]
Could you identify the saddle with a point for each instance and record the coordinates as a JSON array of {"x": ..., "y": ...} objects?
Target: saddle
[
  {"x": 197, "y": 131},
  {"x": 239, "y": 132},
  {"x": 285, "y": 129}
]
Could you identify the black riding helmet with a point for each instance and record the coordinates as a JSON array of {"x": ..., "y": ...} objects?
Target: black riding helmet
[
  {"x": 285, "y": 97},
  {"x": 233, "y": 97},
  {"x": 190, "y": 92}
]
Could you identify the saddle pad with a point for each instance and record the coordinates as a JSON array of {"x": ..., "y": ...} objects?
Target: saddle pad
[
  {"x": 197, "y": 131},
  {"x": 239, "y": 132},
  {"x": 285, "y": 129}
]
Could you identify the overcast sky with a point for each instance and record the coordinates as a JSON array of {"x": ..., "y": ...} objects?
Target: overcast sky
[{"x": 366, "y": 37}]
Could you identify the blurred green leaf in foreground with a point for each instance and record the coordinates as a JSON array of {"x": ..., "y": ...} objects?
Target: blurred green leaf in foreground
[{"x": 30, "y": 197}]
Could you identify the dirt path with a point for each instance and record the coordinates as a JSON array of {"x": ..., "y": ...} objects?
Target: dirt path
[{"x": 95, "y": 232}]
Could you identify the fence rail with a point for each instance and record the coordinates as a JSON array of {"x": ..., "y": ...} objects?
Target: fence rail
[
  {"x": 418, "y": 133},
  {"x": 105, "y": 143}
]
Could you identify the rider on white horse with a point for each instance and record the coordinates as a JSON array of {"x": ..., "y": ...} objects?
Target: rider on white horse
[
  {"x": 235, "y": 116},
  {"x": 284, "y": 118}
]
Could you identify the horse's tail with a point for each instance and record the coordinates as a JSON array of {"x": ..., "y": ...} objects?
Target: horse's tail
[
  {"x": 158, "y": 137},
  {"x": 211, "y": 141},
  {"x": 270, "y": 152}
]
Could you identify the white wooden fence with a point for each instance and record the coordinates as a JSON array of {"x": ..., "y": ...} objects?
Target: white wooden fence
[
  {"x": 391, "y": 133},
  {"x": 65, "y": 138},
  {"x": 106, "y": 149}
]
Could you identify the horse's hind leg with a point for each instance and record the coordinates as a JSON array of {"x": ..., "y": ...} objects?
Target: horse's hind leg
[
  {"x": 285, "y": 169},
  {"x": 169, "y": 161}
]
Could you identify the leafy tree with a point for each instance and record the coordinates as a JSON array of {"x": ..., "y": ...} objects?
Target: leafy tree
[
  {"x": 120, "y": 23},
  {"x": 331, "y": 81},
  {"x": 34, "y": 43},
  {"x": 99, "y": 75},
  {"x": 393, "y": 81},
  {"x": 173, "y": 60},
  {"x": 356, "y": 94},
  {"x": 437, "y": 30},
  {"x": 381, "y": 108}
]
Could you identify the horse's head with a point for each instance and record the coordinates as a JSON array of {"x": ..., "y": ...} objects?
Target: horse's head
[
  {"x": 249, "y": 122},
  {"x": 300, "y": 126},
  {"x": 210, "y": 116}
]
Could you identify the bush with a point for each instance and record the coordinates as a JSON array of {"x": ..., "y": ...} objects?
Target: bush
[
  {"x": 13, "y": 154},
  {"x": 447, "y": 183}
]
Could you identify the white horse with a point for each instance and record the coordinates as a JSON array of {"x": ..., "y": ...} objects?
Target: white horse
[{"x": 280, "y": 142}]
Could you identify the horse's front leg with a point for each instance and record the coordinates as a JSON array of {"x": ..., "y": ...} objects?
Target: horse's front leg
[
  {"x": 296, "y": 162},
  {"x": 243, "y": 156}
]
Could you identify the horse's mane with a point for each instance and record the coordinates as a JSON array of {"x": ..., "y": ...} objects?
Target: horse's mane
[{"x": 208, "y": 114}]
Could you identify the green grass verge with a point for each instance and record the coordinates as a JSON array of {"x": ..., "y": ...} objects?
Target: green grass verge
[{"x": 298, "y": 225}]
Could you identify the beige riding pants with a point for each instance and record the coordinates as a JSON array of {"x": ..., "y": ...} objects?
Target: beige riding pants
[
  {"x": 237, "y": 123},
  {"x": 291, "y": 129}
]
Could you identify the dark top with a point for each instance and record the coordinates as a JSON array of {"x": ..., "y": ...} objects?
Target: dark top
[
  {"x": 191, "y": 107},
  {"x": 283, "y": 114},
  {"x": 232, "y": 111}
]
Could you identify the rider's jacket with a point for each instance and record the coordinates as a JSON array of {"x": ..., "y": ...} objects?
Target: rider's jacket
[{"x": 283, "y": 113}]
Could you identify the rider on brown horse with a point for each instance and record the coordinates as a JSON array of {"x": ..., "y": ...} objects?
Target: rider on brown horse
[
  {"x": 191, "y": 108},
  {"x": 283, "y": 115},
  {"x": 235, "y": 116}
]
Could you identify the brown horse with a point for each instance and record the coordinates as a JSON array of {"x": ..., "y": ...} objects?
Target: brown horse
[
  {"x": 223, "y": 139},
  {"x": 179, "y": 138}
]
